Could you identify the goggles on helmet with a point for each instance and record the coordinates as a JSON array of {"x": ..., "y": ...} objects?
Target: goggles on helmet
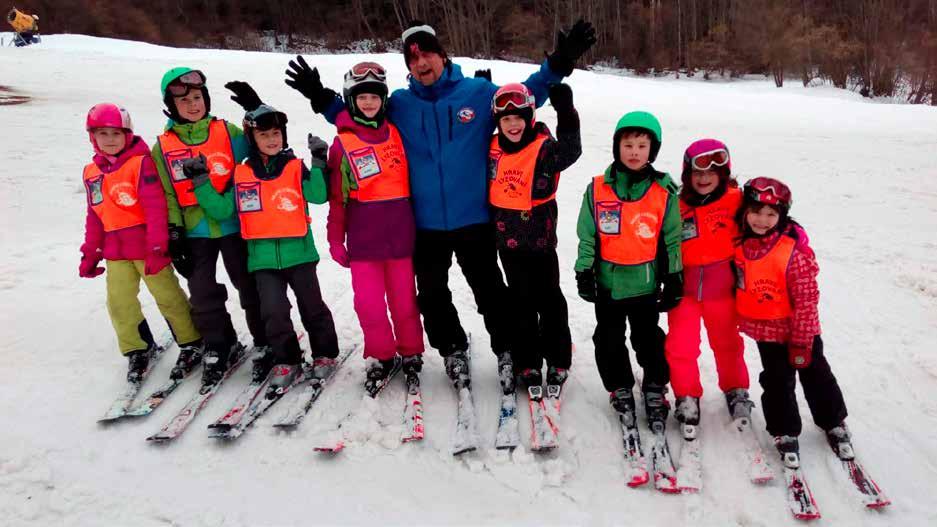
[
  {"x": 265, "y": 118},
  {"x": 181, "y": 85},
  {"x": 516, "y": 98},
  {"x": 707, "y": 160},
  {"x": 768, "y": 191},
  {"x": 362, "y": 70}
]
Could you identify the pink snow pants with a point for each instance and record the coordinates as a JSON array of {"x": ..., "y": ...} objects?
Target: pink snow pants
[
  {"x": 682, "y": 347},
  {"x": 373, "y": 282}
]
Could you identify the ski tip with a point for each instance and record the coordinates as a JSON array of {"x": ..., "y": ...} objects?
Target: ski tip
[
  {"x": 460, "y": 451},
  {"x": 330, "y": 449},
  {"x": 763, "y": 480},
  {"x": 158, "y": 439},
  {"x": 879, "y": 504},
  {"x": 639, "y": 478},
  {"x": 807, "y": 516}
]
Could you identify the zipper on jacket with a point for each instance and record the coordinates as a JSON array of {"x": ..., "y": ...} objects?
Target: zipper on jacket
[
  {"x": 699, "y": 290},
  {"x": 450, "y": 122},
  {"x": 442, "y": 193}
]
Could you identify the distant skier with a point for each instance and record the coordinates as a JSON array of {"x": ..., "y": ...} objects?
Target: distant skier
[
  {"x": 709, "y": 200},
  {"x": 370, "y": 224},
  {"x": 268, "y": 196},
  {"x": 525, "y": 162},
  {"x": 629, "y": 246},
  {"x": 125, "y": 225},
  {"x": 775, "y": 258},
  {"x": 196, "y": 240}
]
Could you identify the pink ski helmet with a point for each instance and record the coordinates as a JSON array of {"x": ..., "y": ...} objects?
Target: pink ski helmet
[
  {"x": 108, "y": 115},
  {"x": 709, "y": 153}
]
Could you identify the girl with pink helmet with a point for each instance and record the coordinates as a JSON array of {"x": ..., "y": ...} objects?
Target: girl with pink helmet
[
  {"x": 126, "y": 227},
  {"x": 709, "y": 199}
]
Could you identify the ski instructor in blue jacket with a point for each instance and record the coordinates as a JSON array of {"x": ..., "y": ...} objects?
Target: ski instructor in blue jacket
[{"x": 446, "y": 124}]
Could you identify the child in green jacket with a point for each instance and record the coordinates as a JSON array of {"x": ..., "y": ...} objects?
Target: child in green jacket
[
  {"x": 629, "y": 244},
  {"x": 269, "y": 195}
]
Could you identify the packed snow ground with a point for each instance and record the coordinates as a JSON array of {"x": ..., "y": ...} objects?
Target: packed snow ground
[{"x": 864, "y": 178}]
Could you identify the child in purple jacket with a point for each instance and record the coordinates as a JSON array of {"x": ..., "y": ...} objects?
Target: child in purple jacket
[{"x": 371, "y": 226}]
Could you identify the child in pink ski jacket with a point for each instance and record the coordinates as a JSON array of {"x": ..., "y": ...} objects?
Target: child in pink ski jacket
[
  {"x": 370, "y": 223},
  {"x": 126, "y": 225},
  {"x": 709, "y": 200}
]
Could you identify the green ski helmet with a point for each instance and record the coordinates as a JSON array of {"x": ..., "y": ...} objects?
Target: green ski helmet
[
  {"x": 198, "y": 82},
  {"x": 638, "y": 122}
]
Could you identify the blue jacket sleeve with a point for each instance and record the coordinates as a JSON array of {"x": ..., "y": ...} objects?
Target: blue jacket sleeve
[
  {"x": 331, "y": 113},
  {"x": 539, "y": 83}
]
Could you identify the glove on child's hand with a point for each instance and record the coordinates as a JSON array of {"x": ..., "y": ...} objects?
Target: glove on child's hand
[
  {"x": 799, "y": 356},
  {"x": 319, "y": 150},
  {"x": 339, "y": 254},
  {"x": 179, "y": 251},
  {"x": 671, "y": 294},
  {"x": 561, "y": 97},
  {"x": 306, "y": 80},
  {"x": 585, "y": 284},
  {"x": 154, "y": 261},
  {"x": 483, "y": 74},
  {"x": 244, "y": 95},
  {"x": 88, "y": 268},
  {"x": 196, "y": 168}
]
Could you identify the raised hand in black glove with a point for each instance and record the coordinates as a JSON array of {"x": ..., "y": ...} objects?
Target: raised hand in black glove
[
  {"x": 244, "y": 95},
  {"x": 319, "y": 150},
  {"x": 570, "y": 45},
  {"x": 670, "y": 295},
  {"x": 585, "y": 283},
  {"x": 306, "y": 81},
  {"x": 196, "y": 169},
  {"x": 561, "y": 97},
  {"x": 179, "y": 251},
  {"x": 483, "y": 74}
]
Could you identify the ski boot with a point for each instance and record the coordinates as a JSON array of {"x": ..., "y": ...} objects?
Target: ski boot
[
  {"x": 376, "y": 375},
  {"x": 841, "y": 442},
  {"x": 457, "y": 368},
  {"x": 189, "y": 356},
  {"x": 506, "y": 372},
  {"x": 530, "y": 377},
  {"x": 281, "y": 378},
  {"x": 740, "y": 406},
  {"x": 263, "y": 362},
  {"x": 322, "y": 367},
  {"x": 412, "y": 365},
  {"x": 138, "y": 361},
  {"x": 656, "y": 406},
  {"x": 687, "y": 411},
  {"x": 622, "y": 401},
  {"x": 789, "y": 448},
  {"x": 557, "y": 376},
  {"x": 214, "y": 364}
]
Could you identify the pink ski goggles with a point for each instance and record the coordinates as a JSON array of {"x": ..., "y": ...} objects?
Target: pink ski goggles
[{"x": 707, "y": 160}]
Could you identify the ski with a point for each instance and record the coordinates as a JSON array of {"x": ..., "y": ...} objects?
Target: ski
[
  {"x": 186, "y": 415},
  {"x": 665, "y": 477},
  {"x": 508, "y": 436},
  {"x": 311, "y": 391},
  {"x": 160, "y": 394},
  {"x": 636, "y": 465},
  {"x": 124, "y": 401},
  {"x": 334, "y": 441},
  {"x": 542, "y": 433},
  {"x": 690, "y": 473},
  {"x": 233, "y": 416},
  {"x": 413, "y": 411},
  {"x": 799, "y": 498},
  {"x": 465, "y": 436},
  {"x": 759, "y": 471},
  {"x": 868, "y": 491},
  {"x": 262, "y": 403}
]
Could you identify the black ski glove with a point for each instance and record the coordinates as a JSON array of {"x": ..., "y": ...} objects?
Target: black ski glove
[
  {"x": 196, "y": 169},
  {"x": 483, "y": 74},
  {"x": 585, "y": 283},
  {"x": 306, "y": 81},
  {"x": 319, "y": 150},
  {"x": 179, "y": 251},
  {"x": 671, "y": 294},
  {"x": 570, "y": 45},
  {"x": 561, "y": 97},
  {"x": 244, "y": 95}
]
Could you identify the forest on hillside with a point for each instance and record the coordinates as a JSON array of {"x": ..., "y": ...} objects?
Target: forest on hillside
[{"x": 884, "y": 48}]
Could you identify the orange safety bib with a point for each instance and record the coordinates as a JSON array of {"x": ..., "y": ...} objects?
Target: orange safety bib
[
  {"x": 217, "y": 148},
  {"x": 628, "y": 230},
  {"x": 709, "y": 231},
  {"x": 113, "y": 196},
  {"x": 273, "y": 208},
  {"x": 511, "y": 176},
  {"x": 381, "y": 170},
  {"x": 761, "y": 287}
]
